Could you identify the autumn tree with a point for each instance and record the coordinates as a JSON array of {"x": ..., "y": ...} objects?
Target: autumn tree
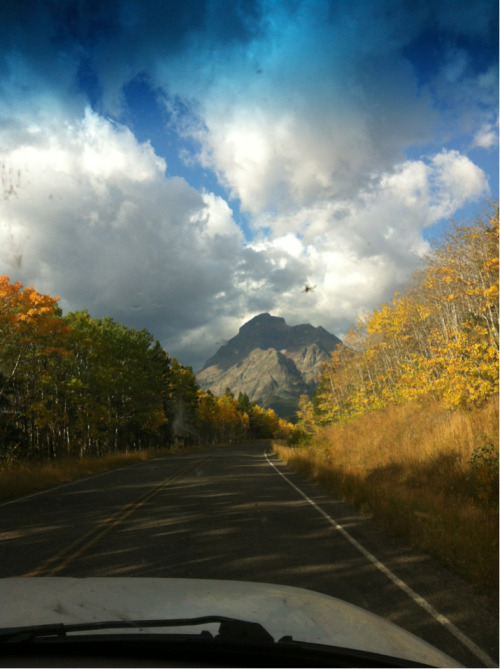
[
  {"x": 33, "y": 344},
  {"x": 438, "y": 339}
]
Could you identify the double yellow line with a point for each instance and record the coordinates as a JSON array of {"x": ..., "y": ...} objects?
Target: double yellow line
[{"x": 53, "y": 565}]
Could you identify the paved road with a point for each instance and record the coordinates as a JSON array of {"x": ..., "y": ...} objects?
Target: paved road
[{"x": 238, "y": 513}]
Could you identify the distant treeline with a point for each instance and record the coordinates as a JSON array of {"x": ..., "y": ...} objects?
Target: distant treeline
[
  {"x": 74, "y": 385},
  {"x": 438, "y": 340}
]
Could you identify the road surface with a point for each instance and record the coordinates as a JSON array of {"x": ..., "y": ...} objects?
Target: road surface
[{"x": 238, "y": 513}]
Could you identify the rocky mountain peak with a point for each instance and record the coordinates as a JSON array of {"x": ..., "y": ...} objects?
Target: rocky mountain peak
[
  {"x": 245, "y": 363},
  {"x": 265, "y": 320}
]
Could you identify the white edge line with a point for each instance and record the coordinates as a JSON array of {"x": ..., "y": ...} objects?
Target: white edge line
[{"x": 443, "y": 620}]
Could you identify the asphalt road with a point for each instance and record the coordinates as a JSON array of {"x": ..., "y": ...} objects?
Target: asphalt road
[{"x": 238, "y": 513}]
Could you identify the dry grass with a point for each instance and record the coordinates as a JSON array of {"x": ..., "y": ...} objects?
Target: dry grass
[
  {"x": 426, "y": 474},
  {"x": 20, "y": 478}
]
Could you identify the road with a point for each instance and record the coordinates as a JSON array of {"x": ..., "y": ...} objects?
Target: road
[{"x": 238, "y": 513}]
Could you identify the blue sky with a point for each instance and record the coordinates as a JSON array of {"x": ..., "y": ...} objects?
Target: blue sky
[{"x": 184, "y": 166}]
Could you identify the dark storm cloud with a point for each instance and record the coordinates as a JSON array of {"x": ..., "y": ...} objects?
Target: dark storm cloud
[{"x": 90, "y": 38}]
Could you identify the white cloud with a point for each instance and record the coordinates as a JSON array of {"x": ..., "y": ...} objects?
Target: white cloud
[
  {"x": 311, "y": 107},
  {"x": 456, "y": 181},
  {"x": 310, "y": 138},
  {"x": 111, "y": 152},
  {"x": 218, "y": 218},
  {"x": 90, "y": 215},
  {"x": 487, "y": 136}
]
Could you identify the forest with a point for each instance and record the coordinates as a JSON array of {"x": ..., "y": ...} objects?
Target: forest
[{"x": 75, "y": 386}]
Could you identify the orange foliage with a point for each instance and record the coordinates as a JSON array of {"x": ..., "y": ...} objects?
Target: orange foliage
[{"x": 29, "y": 314}]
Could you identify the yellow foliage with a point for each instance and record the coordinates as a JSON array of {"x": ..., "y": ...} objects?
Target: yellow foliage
[{"x": 438, "y": 340}]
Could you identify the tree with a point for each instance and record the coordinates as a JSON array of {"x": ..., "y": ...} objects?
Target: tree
[
  {"x": 183, "y": 404},
  {"x": 33, "y": 344},
  {"x": 439, "y": 338}
]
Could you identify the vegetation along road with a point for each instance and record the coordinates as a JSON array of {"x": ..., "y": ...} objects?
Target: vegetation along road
[{"x": 239, "y": 513}]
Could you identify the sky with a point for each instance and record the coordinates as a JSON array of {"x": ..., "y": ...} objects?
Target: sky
[{"x": 183, "y": 166}]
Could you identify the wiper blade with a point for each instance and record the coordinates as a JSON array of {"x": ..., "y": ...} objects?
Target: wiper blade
[
  {"x": 231, "y": 629},
  {"x": 234, "y": 636}
]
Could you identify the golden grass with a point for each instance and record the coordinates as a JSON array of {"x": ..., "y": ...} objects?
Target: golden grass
[
  {"x": 20, "y": 478},
  {"x": 426, "y": 474}
]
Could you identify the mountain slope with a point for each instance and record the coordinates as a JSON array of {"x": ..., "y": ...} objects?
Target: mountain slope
[{"x": 270, "y": 361}]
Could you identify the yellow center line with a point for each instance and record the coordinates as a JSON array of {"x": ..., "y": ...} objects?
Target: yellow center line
[{"x": 53, "y": 565}]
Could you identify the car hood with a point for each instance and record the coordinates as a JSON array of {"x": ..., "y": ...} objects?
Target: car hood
[{"x": 281, "y": 610}]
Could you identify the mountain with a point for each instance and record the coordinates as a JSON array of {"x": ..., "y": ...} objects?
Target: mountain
[{"x": 272, "y": 362}]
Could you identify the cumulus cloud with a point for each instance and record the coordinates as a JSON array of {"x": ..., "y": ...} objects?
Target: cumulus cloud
[
  {"x": 327, "y": 98},
  {"x": 308, "y": 116},
  {"x": 311, "y": 117},
  {"x": 89, "y": 214},
  {"x": 486, "y": 136},
  {"x": 358, "y": 252}
]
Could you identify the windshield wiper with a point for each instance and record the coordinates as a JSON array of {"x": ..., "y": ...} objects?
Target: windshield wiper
[
  {"x": 234, "y": 635},
  {"x": 231, "y": 629}
]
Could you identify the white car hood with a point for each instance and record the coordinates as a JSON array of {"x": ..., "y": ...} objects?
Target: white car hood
[{"x": 281, "y": 610}]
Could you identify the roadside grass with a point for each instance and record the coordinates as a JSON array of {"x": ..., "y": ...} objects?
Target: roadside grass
[
  {"x": 428, "y": 475},
  {"x": 19, "y": 478}
]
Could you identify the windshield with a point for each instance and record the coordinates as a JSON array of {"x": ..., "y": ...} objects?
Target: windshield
[{"x": 249, "y": 308}]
